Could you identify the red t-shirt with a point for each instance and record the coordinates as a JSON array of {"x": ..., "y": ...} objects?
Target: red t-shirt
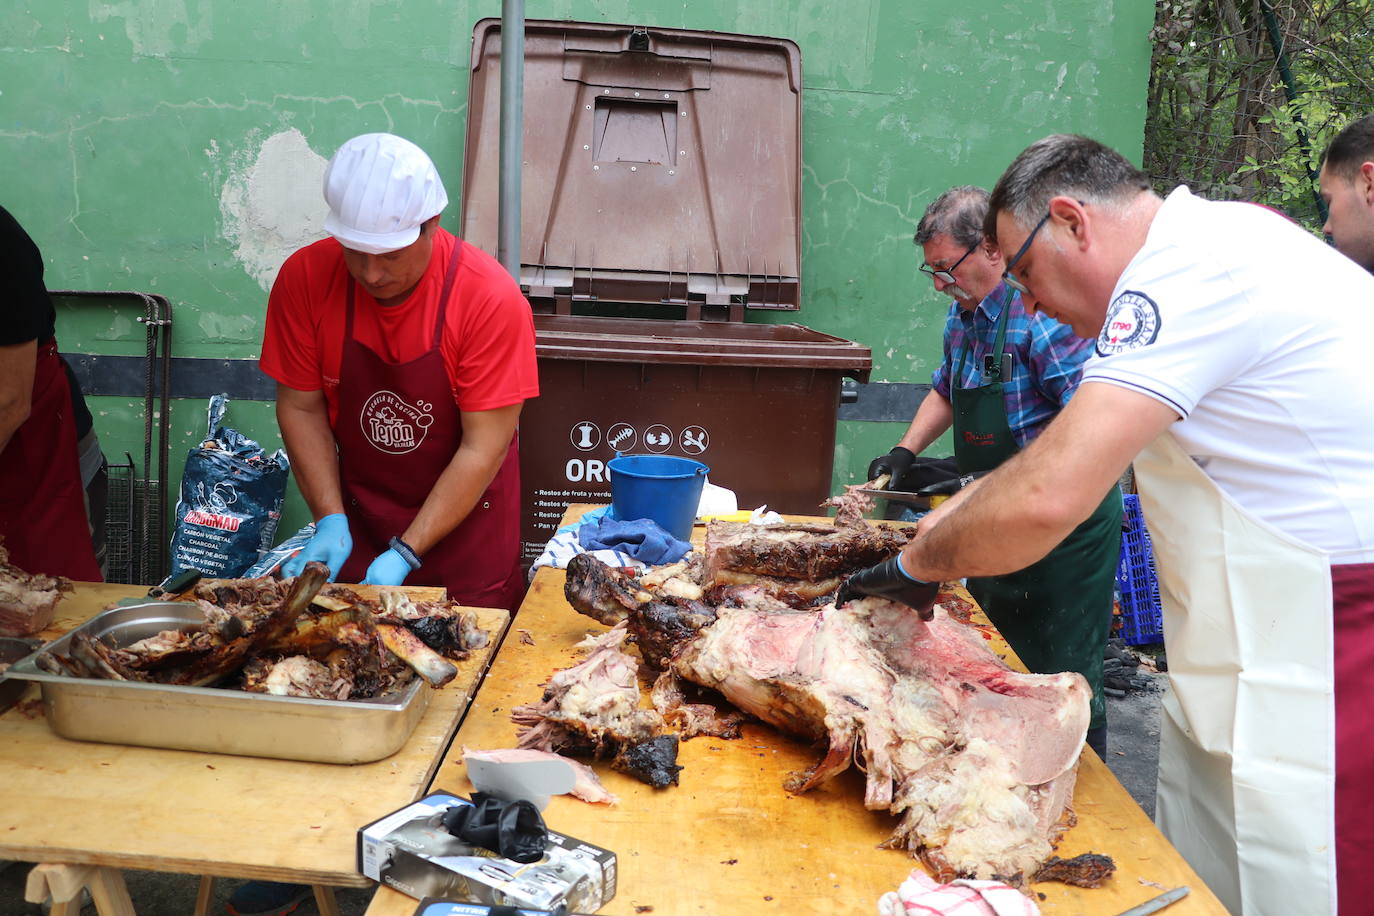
[{"x": 487, "y": 344}]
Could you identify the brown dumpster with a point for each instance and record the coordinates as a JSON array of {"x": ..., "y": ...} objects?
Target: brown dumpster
[
  {"x": 662, "y": 169},
  {"x": 756, "y": 403}
]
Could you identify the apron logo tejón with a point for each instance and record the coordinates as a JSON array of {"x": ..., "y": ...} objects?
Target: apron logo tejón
[
  {"x": 1132, "y": 322},
  {"x": 392, "y": 425}
]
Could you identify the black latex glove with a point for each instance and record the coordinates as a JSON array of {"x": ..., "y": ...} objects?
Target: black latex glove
[
  {"x": 513, "y": 829},
  {"x": 951, "y": 485},
  {"x": 894, "y": 462},
  {"x": 888, "y": 580}
]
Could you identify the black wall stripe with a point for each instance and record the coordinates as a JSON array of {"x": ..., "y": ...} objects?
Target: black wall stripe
[{"x": 241, "y": 379}]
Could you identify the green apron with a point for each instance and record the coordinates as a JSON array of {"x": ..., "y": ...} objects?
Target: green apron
[{"x": 1055, "y": 614}]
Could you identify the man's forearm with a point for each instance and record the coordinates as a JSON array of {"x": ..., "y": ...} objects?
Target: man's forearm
[
  {"x": 455, "y": 493},
  {"x": 1021, "y": 511},
  {"x": 933, "y": 417},
  {"x": 17, "y": 366},
  {"x": 314, "y": 457},
  {"x": 486, "y": 441}
]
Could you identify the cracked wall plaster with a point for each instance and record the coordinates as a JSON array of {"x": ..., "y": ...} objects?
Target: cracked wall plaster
[{"x": 272, "y": 202}]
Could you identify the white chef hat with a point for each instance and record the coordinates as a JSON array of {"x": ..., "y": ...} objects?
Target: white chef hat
[{"x": 380, "y": 188}]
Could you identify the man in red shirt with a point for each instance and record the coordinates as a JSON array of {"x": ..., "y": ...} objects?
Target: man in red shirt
[{"x": 402, "y": 357}]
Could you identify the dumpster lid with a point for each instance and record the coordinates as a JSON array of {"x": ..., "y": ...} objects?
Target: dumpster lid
[
  {"x": 660, "y": 166},
  {"x": 706, "y": 343}
]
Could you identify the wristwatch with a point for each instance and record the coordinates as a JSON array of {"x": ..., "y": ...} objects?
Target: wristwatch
[{"x": 406, "y": 551}]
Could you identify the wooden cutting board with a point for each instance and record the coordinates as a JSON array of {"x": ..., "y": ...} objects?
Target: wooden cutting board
[{"x": 730, "y": 840}]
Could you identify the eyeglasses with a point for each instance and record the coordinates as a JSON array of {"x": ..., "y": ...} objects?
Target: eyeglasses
[
  {"x": 1007, "y": 276},
  {"x": 947, "y": 275}
]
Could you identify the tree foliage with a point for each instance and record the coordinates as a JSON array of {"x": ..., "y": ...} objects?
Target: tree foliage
[{"x": 1220, "y": 117}]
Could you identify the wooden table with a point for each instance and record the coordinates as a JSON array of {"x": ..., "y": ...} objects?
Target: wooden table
[
  {"x": 729, "y": 839},
  {"x": 209, "y": 814}
]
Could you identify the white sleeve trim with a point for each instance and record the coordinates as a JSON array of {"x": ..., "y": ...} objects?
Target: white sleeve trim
[{"x": 1149, "y": 387}]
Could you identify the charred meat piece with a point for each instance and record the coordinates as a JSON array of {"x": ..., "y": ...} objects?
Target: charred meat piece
[
  {"x": 220, "y": 661},
  {"x": 600, "y": 592},
  {"x": 295, "y": 676},
  {"x": 694, "y": 718},
  {"x": 809, "y": 552},
  {"x": 441, "y": 627},
  {"x": 1090, "y": 869},
  {"x": 653, "y": 761},
  {"x": 592, "y": 708},
  {"x": 659, "y": 627},
  {"x": 427, "y": 663},
  {"x": 657, "y": 623},
  {"x": 27, "y": 602},
  {"x": 100, "y": 661}
]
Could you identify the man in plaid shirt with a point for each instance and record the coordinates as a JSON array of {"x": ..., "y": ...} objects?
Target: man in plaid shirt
[{"x": 1004, "y": 376}]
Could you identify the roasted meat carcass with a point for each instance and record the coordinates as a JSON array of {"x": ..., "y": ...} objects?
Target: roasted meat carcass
[
  {"x": 593, "y": 709},
  {"x": 977, "y": 760},
  {"x": 292, "y": 637},
  {"x": 233, "y": 632},
  {"x": 27, "y": 602}
]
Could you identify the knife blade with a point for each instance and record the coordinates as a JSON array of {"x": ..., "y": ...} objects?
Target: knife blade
[{"x": 901, "y": 496}]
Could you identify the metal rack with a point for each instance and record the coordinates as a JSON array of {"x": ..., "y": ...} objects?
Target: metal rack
[{"x": 136, "y": 516}]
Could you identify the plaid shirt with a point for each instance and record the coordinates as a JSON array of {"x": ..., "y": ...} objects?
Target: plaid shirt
[{"x": 1047, "y": 360}]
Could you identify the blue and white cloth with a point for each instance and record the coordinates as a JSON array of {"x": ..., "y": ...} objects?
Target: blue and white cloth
[
  {"x": 564, "y": 545},
  {"x": 642, "y": 538}
]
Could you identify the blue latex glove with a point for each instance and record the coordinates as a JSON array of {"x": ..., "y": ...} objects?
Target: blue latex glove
[
  {"x": 389, "y": 568},
  {"x": 331, "y": 546}
]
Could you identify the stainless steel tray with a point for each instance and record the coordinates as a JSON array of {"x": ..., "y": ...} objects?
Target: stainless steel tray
[{"x": 210, "y": 719}]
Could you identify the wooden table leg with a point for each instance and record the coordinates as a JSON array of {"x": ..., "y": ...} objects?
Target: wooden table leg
[
  {"x": 63, "y": 883},
  {"x": 207, "y": 890},
  {"x": 110, "y": 893},
  {"x": 324, "y": 900}
]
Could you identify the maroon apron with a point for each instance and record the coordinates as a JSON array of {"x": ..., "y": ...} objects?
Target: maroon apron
[
  {"x": 398, "y": 428},
  {"x": 42, "y": 505},
  {"x": 1352, "y": 588}
]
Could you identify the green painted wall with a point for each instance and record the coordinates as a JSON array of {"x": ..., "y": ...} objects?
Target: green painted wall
[{"x": 176, "y": 146}]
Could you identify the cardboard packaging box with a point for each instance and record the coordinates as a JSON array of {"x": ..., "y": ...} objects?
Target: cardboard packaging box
[{"x": 411, "y": 851}]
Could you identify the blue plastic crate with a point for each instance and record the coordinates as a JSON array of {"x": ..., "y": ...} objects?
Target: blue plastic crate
[{"x": 1141, "y": 619}]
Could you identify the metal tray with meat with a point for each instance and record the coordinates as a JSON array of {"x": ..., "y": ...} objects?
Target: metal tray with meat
[{"x": 290, "y": 669}]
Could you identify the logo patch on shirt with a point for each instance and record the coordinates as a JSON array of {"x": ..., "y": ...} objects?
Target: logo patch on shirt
[
  {"x": 394, "y": 426},
  {"x": 1132, "y": 322}
]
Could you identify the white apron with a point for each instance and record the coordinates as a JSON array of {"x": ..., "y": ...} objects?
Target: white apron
[{"x": 1247, "y": 735}]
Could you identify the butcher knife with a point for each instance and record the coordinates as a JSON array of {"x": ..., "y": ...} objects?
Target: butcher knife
[
  {"x": 168, "y": 589},
  {"x": 1155, "y": 904},
  {"x": 901, "y": 496}
]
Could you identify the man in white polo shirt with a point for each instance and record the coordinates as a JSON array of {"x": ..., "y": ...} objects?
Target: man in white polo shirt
[{"x": 1231, "y": 367}]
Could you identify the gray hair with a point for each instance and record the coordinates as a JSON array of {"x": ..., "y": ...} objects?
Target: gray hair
[
  {"x": 957, "y": 213},
  {"x": 1061, "y": 164},
  {"x": 1352, "y": 146}
]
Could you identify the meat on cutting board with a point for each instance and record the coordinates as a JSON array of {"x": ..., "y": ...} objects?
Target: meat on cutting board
[
  {"x": 977, "y": 761},
  {"x": 593, "y": 709},
  {"x": 794, "y": 561},
  {"x": 28, "y": 602}
]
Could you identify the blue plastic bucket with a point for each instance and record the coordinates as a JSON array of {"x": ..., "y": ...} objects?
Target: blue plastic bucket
[{"x": 664, "y": 488}]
